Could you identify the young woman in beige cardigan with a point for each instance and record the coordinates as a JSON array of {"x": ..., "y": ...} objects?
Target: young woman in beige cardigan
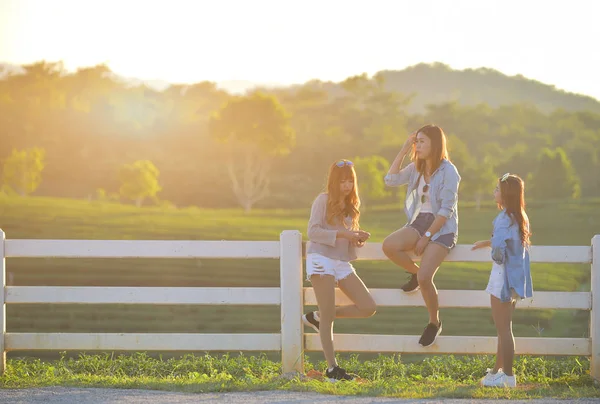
[{"x": 334, "y": 235}]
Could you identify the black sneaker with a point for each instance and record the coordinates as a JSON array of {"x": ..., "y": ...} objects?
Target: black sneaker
[
  {"x": 309, "y": 320},
  {"x": 429, "y": 334},
  {"x": 412, "y": 285},
  {"x": 338, "y": 374}
]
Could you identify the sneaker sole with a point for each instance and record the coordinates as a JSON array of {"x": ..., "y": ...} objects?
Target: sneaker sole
[
  {"x": 434, "y": 338},
  {"x": 411, "y": 291},
  {"x": 332, "y": 380},
  {"x": 499, "y": 386},
  {"x": 308, "y": 323}
]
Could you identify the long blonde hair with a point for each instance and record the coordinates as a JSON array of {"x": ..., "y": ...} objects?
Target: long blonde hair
[{"x": 339, "y": 207}]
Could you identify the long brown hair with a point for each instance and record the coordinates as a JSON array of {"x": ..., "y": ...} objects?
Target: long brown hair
[
  {"x": 439, "y": 150},
  {"x": 512, "y": 193},
  {"x": 339, "y": 207}
]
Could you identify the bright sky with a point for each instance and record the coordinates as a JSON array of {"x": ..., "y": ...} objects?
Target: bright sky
[{"x": 285, "y": 41}]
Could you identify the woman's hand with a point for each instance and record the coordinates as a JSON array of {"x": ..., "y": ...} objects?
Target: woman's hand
[
  {"x": 481, "y": 244},
  {"x": 421, "y": 245},
  {"x": 363, "y": 235},
  {"x": 408, "y": 144},
  {"x": 352, "y": 236},
  {"x": 406, "y": 148}
]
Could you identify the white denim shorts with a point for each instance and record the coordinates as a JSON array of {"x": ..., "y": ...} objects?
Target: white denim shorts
[
  {"x": 496, "y": 282},
  {"x": 317, "y": 264}
]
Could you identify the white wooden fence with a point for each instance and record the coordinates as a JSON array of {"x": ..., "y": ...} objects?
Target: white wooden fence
[{"x": 291, "y": 296}]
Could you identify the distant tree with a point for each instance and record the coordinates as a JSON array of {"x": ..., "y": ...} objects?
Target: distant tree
[
  {"x": 477, "y": 176},
  {"x": 517, "y": 160},
  {"x": 255, "y": 129},
  {"x": 586, "y": 163},
  {"x": 23, "y": 170},
  {"x": 459, "y": 153},
  {"x": 370, "y": 171},
  {"x": 555, "y": 177},
  {"x": 480, "y": 179},
  {"x": 139, "y": 181},
  {"x": 379, "y": 114}
]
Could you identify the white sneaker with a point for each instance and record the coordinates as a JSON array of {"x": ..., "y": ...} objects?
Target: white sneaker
[
  {"x": 490, "y": 377},
  {"x": 510, "y": 381},
  {"x": 501, "y": 380}
]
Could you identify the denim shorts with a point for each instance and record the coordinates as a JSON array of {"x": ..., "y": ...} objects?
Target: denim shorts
[
  {"x": 317, "y": 264},
  {"x": 422, "y": 223}
]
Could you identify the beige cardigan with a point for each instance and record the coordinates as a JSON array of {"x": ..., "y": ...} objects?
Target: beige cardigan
[{"x": 323, "y": 236}]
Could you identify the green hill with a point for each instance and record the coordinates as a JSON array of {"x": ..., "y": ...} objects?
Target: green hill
[{"x": 438, "y": 83}]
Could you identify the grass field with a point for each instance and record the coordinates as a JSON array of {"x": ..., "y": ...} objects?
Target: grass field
[
  {"x": 44, "y": 218},
  {"x": 390, "y": 376}
]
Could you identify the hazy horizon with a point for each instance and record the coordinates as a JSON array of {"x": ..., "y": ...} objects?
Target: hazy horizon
[{"x": 269, "y": 42}]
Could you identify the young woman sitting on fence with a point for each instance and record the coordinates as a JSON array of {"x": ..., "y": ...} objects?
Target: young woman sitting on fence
[
  {"x": 334, "y": 235},
  {"x": 431, "y": 208},
  {"x": 510, "y": 278}
]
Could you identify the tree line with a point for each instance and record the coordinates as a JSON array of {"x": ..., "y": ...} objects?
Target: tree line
[{"x": 88, "y": 134}]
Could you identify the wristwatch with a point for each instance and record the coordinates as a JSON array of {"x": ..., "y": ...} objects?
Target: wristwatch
[{"x": 428, "y": 234}]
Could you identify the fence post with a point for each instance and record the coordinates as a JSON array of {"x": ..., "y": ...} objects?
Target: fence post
[
  {"x": 292, "y": 301},
  {"x": 2, "y": 305},
  {"x": 595, "y": 313}
]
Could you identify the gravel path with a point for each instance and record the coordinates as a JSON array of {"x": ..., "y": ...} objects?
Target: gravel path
[{"x": 65, "y": 395}]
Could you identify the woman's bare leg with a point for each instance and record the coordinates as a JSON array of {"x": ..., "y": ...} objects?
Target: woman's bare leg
[
  {"x": 502, "y": 314},
  {"x": 396, "y": 245},
  {"x": 355, "y": 289},
  {"x": 433, "y": 256},
  {"x": 324, "y": 287}
]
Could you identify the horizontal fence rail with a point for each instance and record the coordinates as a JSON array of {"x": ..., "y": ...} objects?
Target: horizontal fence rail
[
  {"x": 141, "y": 295},
  {"x": 143, "y": 342},
  {"x": 291, "y": 296},
  {"x": 25, "y": 248},
  {"x": 141, "y": 249},
  {"x": 268, "y": 296},
  {"x": 463, "y": 253},
  {"x": 465, "y": 299},
  {"x": 451, "y": 344}
]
